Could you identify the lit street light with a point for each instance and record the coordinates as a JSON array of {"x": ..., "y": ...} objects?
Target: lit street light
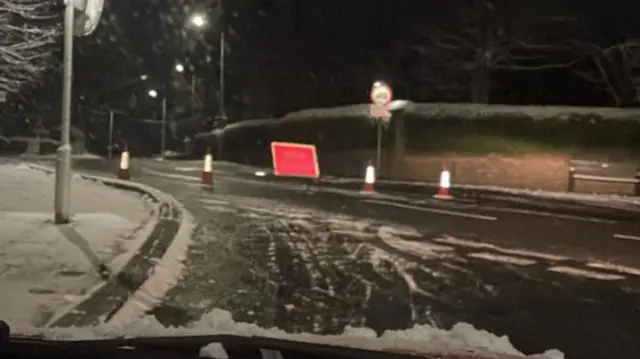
[
  {"x": 179, "y": 67},
  {"x": 153, "y": 93},
  {"x": 198, "y": 20}
]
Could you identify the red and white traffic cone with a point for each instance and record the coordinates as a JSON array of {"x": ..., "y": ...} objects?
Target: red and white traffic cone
[
  {"x": 123, "y": 169},
  {"x": 207, "y": 171},
  {"x": 369, "y": 179},
  {"x": 444, "y": 186}
]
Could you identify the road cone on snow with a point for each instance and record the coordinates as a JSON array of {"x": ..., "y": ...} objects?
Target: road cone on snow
[
  {"x": 369, "y": 179},
  {"x": 207, "y": 171},
  {"x": 444, "y": 185},
  {"x": 123, "y": 169}
]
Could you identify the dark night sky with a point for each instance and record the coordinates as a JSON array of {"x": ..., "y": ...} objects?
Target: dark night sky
[{"x": 286, "y": 55}]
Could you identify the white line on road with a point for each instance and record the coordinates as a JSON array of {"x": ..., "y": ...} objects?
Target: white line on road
[
  {"x": 170, "y": 175},
  {"x": 615, "y": 268},
  {"x": 482, "y": 245},
  {"x": 626, "y": 236},
  {"x": 502, "y": 258},
  {"x": 585, "y": 273},
  {"x": 434, "y": 210},
  {"x": 188, "y": 169}
]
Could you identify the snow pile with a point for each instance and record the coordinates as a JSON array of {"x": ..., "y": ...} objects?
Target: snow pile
[
  {"x": 44, "y": 267},
  {"x": 421, "y": 339}
]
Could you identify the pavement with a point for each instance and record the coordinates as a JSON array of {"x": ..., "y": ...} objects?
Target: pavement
[
  {"x": 308, "y": 259},
  {"x": 46, "y": 268},
  {"x": 119, "y": 291}
]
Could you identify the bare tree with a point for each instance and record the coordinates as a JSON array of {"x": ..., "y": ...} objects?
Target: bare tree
[
  {"x": 474, "y": 38},
  {"x": 617, "y": 69},
  {"x": 28, "y": 31}
]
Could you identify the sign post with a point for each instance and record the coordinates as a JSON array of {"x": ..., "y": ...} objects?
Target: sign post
[
  {"x": 295, "y": 160},
  {"x": 380, "y": 95}
]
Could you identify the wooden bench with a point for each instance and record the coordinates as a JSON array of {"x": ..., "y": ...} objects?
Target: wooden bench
[{"x": 602, "y": 171}]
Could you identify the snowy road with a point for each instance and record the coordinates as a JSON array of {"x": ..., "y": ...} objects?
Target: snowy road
[
  {"x": 318, "y": 262},
  {"x": 307, "y": 270}
]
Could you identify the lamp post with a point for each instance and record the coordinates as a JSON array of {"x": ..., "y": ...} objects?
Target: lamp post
[
  {"x": 84, "y": 24},
  {"x": 180, "y": 68},
  {"x": 163, "y": 122}
]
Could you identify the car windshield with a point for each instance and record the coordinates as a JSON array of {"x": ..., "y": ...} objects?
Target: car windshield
[{"x": 428, "y": 176}]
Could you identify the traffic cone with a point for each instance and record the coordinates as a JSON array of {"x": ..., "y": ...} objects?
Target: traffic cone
[
  {"x": 444, "y": 185},
  {"x": 123, "y": 170},
  {"x": 369, "y": 179},
  {"x": 207, "y": 172}
]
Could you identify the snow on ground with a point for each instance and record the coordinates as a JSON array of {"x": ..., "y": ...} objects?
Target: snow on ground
[
  {"x": 44, "y": 267},
  {"x": 421, "y": 339},
  {"x": 461, "y": 338},
  {"x": 87, "y": 155}
]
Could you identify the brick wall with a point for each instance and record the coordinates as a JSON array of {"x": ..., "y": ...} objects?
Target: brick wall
[{"x": 548, "y": 172}]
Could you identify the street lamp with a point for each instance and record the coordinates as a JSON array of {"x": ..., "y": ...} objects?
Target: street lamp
[
  {"x": 180, "y": 67},
  {"x": 163, "y": 136},
  {"x": 198, "y": 20},
  {"x": 89, "y": 16}
]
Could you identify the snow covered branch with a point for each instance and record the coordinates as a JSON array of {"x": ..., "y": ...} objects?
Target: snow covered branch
[{"x": 28, "y": 33}]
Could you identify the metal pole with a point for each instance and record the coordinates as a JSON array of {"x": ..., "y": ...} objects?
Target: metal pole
[
  {"x": 163, "y": 126},
  {"x": 193, "y": 90},
  {"x": 110, "y": 146},
  {"x": 379, "y": 146},
  {"x": 221, "y": 117},
  {"x": 221, "y": 99},
  {"x": 63, "y": 165}
]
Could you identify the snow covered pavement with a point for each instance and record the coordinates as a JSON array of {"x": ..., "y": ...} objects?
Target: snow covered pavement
[{"x": 45, "y": 268}]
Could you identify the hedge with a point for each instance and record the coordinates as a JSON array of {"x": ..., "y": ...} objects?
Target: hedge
[{"x": 439, "y": 128}]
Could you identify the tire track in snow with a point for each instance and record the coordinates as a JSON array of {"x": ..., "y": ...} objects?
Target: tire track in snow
[{"x": 311, "y": 271}]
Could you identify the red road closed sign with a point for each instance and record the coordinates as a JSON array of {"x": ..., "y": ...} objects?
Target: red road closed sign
[{"x": 295, "y": 160}]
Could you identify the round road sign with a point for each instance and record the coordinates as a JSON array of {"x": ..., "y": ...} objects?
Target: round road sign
[{"x": 381, "y": 94}]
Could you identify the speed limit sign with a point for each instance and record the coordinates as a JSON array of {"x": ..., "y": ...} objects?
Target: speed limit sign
[{"x": 381, "y": 94}]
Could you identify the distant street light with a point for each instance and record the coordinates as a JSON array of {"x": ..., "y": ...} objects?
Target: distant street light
[
  {"x": 198, "y": 20},
  {"x": 143, "y": 77},
  {"x": 179, "y": 67},
  {"x": 163, "y": 122}
]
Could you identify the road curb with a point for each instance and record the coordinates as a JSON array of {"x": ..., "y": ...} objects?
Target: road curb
[
  {"x": 618, "y": 208},
  {"x": 149, "y": 272}
]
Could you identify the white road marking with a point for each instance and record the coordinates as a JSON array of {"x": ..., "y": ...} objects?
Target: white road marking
[
  {"x": 626, "y": 236},
  {"x": 211, "y": 201},
  {"x": 615, "y": 268},
  {"x": 547, "y": 214},
  {"x": 171, "y": 175},
  {"x": 188, "y": 169},
  {"x": 502, "y": 258},
  {"x": 585, "y": 273},
  {"x": 434, "y": 210},
  {"x": 220, "y": 209},
  {"x": 483, "y": 245}
]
